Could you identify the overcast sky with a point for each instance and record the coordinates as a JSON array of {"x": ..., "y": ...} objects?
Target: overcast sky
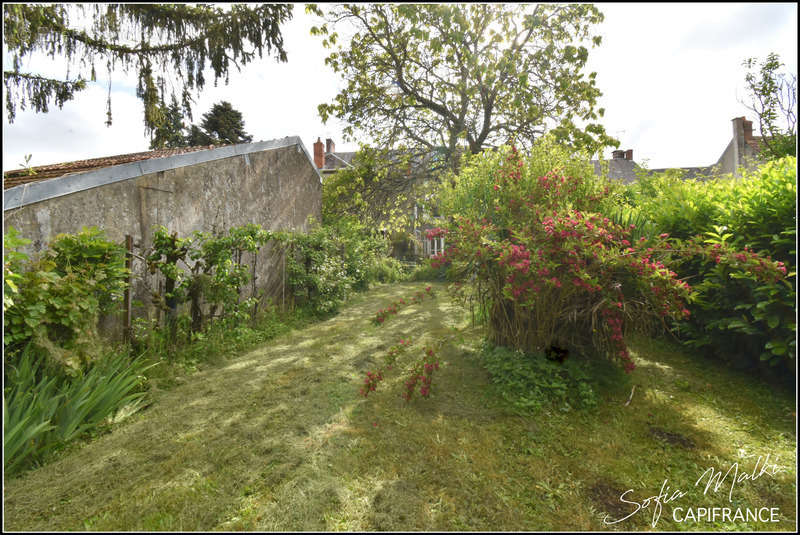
[{"x": 670, "y": 74}]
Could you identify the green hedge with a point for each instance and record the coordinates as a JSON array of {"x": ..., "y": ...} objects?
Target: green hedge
[{"x": 734, "y": 317}]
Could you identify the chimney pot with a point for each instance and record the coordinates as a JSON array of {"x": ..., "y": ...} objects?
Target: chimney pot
[
  {"x": 629, "y": 154},
  {"x": 618, "y": 155},
  {"x": 329, "y": 146},
  {"x": 319, "y": 157}
]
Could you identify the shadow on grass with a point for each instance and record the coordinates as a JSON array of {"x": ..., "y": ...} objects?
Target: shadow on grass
[{"x": 278, "y": 439}]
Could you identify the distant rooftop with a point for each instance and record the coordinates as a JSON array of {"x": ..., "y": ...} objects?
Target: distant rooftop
[{"x": 43, "y": 172}]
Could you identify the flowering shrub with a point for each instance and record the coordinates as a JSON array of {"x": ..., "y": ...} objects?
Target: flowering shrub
[
  {"x": 549, "y": 267},
  {"x": 421, "y": 373}
]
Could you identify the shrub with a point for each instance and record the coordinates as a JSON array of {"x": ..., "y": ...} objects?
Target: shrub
[
  {"x": 529, "y": 236},
  {"x": 326, "y": 264},
  {"x": 56, "y": 300},
  {"x": 548, "y": 267},
  {"x": 735, "y": 315},
  {"x": 426, "y": 272}
]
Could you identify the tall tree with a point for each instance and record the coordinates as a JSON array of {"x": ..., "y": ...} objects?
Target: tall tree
[
  {"x": 164, "y": 44},
  {"x": 380, "y": 188},
  {"x": 471, "y": 76},
  {"x": 197, "y": 137},
  {"x": 169, "y": 133},
  {"x": 773, "y": 98},
  {"x": 223, "y": 124}
]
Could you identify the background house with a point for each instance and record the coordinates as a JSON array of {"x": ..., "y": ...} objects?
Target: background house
[
  {"x": 271, "y": 183},
  {"x": 742, "y": 151},
  {"x": 329, "y": 161}
]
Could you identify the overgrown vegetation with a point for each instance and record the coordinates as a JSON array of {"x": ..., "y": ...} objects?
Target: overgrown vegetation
[
  {"x": 43, "y": 412},
  {"x": 529, "y": 237},
  {"x": 62, "y": 380},
  {"x": 735, "y": 316},
  {"x": 53, "y": 303}
]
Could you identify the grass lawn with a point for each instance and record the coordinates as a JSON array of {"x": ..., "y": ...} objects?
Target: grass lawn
[{"x": 278, "y": 439}]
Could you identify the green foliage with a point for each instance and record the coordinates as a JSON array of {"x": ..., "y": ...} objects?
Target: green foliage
[
  {"x": 529, "y": 237},
  {"x": 13, "y": 262},
  {"x": 426, "y": 272},
  {"x": 43, "y": 413},
  {"x": 326, "y": 264},
  {"x": 166, "y": 45},
  {"x": 224, "y": 125},
  {"x": 530, "y": 382},
  {"x": 217, "y": 273},
  {"x": 59, "y": 297},
  {"x": 99, "y": 262},
  {"x": 465, "y": 76},
  {"x": 735, "y": 316},
  {"x": 387, "y": 269},
  {"x": 380, "y": 189},
  {"x": 169, "y": 132},
  {"x": 772, "y": 95}
]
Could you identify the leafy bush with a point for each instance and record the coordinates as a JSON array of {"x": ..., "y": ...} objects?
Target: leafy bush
[
  {"x": 56, "y": 300},
  {"x": 387, "y": 269},
  {"x": 546, "y": 265},
  {"x": 735, "y": 316},
  {"x": 326, "y": 264},
  {"x": 529, "y": 382},
  {"x": 42, "y": 413},
  {"x": 426, "y": 272},
  {"x": 529, "y": 238}
]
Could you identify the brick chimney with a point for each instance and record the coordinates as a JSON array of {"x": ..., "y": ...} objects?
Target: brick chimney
[
  {"x": 618, "y": 155},
  {"x": 629, "y": 154},
  {"x": 329, "y": 146},
  {"x": 747, "y": 126},
  {"x": 319, "y": 157}
]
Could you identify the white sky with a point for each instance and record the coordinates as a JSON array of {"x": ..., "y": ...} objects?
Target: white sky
[{"x": 670, "y": 74}]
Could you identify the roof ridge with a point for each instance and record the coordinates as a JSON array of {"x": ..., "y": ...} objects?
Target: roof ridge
[{"x": 130, "y": 156}]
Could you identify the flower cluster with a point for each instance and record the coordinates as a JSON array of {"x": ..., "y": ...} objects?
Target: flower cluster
[
  {"x": 435, "y": 232},
  {"x": 371, "y": 382},
  {"x": 418, "y": 297},
  {"x": 422, "y": 375}
]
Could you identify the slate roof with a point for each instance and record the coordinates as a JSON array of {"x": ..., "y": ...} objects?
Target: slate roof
[
  {"x": 618, "y": 169},
  {"x": 337, "y": 160},
  {"x": 44, "y": 172}
]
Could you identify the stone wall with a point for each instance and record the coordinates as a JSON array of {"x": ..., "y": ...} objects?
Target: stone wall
[{"x": 273, "y": 184}]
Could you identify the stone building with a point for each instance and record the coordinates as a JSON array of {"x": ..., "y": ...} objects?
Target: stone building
[{"x": 271, "y": 183}]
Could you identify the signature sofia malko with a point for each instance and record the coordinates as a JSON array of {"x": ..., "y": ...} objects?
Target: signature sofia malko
[{"x": 714, "y": 481}]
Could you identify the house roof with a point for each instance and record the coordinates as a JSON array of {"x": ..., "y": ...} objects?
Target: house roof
[
  {"x": 337, "y": 160},
  {"x": 698, "y": 173},
  {"x": 43, "y": 172},
  {"x": 618, "y": 169},
  {"x": 78, "y": 176}
]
